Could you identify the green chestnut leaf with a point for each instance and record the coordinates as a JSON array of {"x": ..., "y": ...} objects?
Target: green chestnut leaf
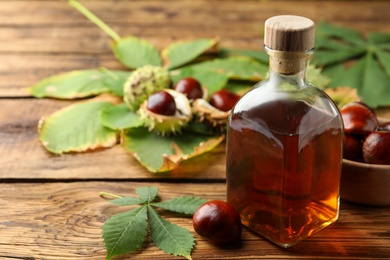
[
  {"x": 182, "y": 52},
  {"x": 76, "y": 128},
  {"x": 134, "y": 52}
]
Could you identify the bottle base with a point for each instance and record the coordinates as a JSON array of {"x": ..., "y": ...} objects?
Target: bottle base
[{"x": 285, "y": 242}]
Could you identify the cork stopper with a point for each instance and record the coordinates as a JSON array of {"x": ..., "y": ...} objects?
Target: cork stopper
[{"x": 289, "y": 33}]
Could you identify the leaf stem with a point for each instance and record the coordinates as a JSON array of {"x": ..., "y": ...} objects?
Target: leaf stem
[
  {"x": 106, "y": 194},
  {"x": 93, "y": 18}
]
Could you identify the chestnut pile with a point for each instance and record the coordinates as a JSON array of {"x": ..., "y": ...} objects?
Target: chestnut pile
[
  {"x": 169, "y": 110},
  {"x": 366, "y": 140}
]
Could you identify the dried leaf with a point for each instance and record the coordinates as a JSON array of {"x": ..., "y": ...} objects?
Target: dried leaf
[
  {"x": 134, "y": 52},
  {"x": 76, "y": 128},
  {"x": 182, "y": 52}
]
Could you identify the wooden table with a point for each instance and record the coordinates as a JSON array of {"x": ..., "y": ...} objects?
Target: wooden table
[{"x": 49, "y": 205}]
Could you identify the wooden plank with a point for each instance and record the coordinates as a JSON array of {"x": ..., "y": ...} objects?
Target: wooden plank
[
  {"x": 63, "y": 221},
  {"x": 27, "y": 159},
  {"x": 51, "y": 32}
]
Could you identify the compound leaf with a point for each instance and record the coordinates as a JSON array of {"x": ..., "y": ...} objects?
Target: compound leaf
[
  {"x": 125, "y": 232},
  {"x": 168, "y": 237},
  {"x": 338, "y": 47},
  {"x": 147, "y": 194}
]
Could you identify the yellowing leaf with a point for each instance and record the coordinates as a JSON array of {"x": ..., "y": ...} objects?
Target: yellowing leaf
[
  {"x": 135, "y": 53},
  {"x": 242, "y": 68},
  {"x": 79, "y": 84},
  {"x": 180, "y": 53},
  {"x": 76, "y": 128},
  {"x": 160, "y": 154}
]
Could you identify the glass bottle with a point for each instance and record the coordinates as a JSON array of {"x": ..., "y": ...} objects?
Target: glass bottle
[{"x": 284, "y": 143}]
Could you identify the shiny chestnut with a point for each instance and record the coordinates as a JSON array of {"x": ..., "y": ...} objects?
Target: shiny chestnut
[
  {"x": 358, "y": 118},
  {"x": 376, "y": 148},
  {"x": 190, "y": 87},
  {"x": 219, "y": 222},
  {"x": 224, "y": 100},
  {"x": 162, "y": 103},
  {"x": 353, "y": 146}
]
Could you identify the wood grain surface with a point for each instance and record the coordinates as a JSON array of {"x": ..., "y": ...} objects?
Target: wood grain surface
[
  {"x": 49, "y": 205},
  {"x": 63, "y": 220}
]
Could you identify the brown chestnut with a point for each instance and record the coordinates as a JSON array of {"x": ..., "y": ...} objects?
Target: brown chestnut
[
  {"x": 162, "y": 103},
  {"x": 219, "y": 222},
  {"x": 353, "y": 147},
  {"x": 358, "y": 118},
  {"x": 224, "y": 100},
  {"x": 376, "y": 148},
  {"x": 190, "y": 87}
]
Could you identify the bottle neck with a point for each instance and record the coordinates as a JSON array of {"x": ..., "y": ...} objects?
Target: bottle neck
[{"x": 288, "y": 65}]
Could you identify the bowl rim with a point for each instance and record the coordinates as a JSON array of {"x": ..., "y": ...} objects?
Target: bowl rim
[{"x": 367, "y": 165}]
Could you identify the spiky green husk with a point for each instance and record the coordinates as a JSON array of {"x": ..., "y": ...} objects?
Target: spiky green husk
[
  {"x": 166, "y": 125},
  {"x": 210, "y": 115},
  {"x": 142, "y": 83}
]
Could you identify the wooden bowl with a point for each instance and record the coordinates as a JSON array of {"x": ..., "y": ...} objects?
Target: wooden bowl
[{"x": 365, "y": 183}]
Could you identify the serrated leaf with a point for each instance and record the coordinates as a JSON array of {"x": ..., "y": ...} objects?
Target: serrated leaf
[
  {"x": 325, "y": 30},
  {"x": 127, "y": 201},
  {"x": 78, "y": 84},
  {"x": 119, "y": 117},
  {"x": 115, "y": 80},
  {"x": 76, "y": 128},
  {"x": 243, "y": 68},
  {"x": 184, "y": 204},
  {"x": 369, "y": 73},
  {"x": 384, "y": 59},
  {"x": 325, "y": 58},
  {"x": 374, "y": 76},
  {"x": 212, "y": 80},
  {"x": 134, "y": 52},
  {"x": 147, "y": 194},
  {"x": 168, "y": 237},
  {"x": 125, "y": 232},
  {"x": 180, "y": 53},
  {"x": 160, "y": 154}
]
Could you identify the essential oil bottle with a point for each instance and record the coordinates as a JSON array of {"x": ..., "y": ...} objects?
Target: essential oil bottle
[{"x": 284, "y": 143}]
